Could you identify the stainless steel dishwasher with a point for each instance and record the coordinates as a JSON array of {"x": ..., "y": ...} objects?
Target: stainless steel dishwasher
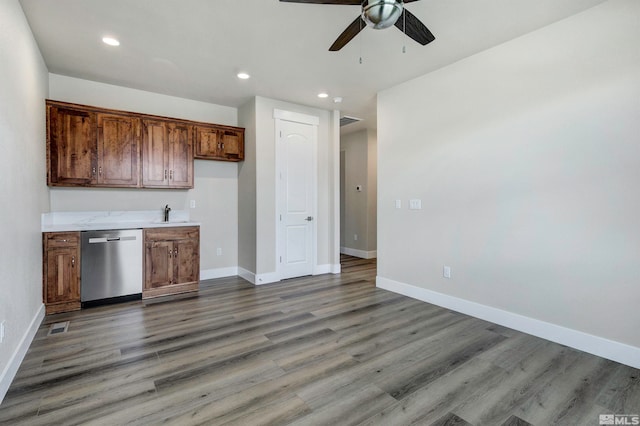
[{"x": 111, "y": 266}]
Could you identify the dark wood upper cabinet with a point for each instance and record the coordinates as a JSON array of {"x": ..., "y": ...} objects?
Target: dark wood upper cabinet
[
  {"x": 118, "y": 150},
  {"x": 72, "y": 147},
  {"x": 180, "y": 155},
  {"x": 167, "y": 153},
  {"x": 155, "y": 154},
  {"x": 219, "y": 143},
  {"x": 206, "y": 140},
  {"x": 90, "y": 146}
]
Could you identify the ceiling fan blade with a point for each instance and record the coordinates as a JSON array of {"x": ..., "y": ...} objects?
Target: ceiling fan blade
[
  {"x": 347, "y": 2},
  {"x": 411, "y": 26},
  {"x": 350, "y": 32}
]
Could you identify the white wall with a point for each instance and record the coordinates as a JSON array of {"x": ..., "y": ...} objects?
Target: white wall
[
  {"x": 215, "y": 183},
  {"x": 260, "y": 184},
  {"x": 359, "y": 207},
  {"x": 527, "y": 161},
  {"x": 23, "y": 191}
]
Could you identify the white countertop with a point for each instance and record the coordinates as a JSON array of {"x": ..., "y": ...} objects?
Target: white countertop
[{"x": 93, "y": 221}]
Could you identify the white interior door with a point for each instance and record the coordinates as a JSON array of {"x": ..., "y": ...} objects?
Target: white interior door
[{"x": 297, "y": 192}]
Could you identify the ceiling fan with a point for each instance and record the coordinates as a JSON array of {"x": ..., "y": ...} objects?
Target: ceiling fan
[{"x": 378, "y": 14}]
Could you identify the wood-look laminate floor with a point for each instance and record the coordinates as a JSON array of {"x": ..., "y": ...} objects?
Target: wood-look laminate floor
[{"x": 330, "y": 349}]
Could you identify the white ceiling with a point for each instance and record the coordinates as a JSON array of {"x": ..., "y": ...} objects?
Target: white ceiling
[{"x": 194, "y": 48}]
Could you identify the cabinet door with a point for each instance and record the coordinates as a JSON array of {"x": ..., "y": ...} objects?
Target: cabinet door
[
  {"x": 72, "y": 147},
  {"x": 159, "y": 264},
  {"x": 118, "y": 150},
  {"x": 180, "y": 155},
  {"x": 62, "y": 277},
  {"x": 187, "y": 257},
  {"x": 155, "y": 154},
  {"x": 207, "y": 142},
  {"x": 232, "y": 145}
]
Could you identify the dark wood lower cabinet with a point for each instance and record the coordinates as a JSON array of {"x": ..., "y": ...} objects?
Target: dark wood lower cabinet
[
  {"x": 61, "y": 271},
  {"x": 171, "y": 265},
  {"x": 172, "y": 261}
]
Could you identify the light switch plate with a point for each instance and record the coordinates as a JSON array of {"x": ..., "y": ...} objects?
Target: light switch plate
[
  {"x": 398, "y": 204},
  {"x": 192, "y": 204},
  {"x": 415, "y": 204}
]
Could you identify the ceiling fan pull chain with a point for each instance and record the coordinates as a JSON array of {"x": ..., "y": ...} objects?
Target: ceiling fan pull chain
[
  {"x": 404, "y": 30},
  {"x": 361, "y": 22}
]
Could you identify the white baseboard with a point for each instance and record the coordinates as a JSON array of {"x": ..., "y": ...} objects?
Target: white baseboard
[
  {"x": 273, "y": 277},
  {"x": 247, "y": 275},
  {"x": 258, "y": 279},
  {"x": 605, "y": 348},
  {"x": 359, "y": 253},
  {"x": 210, "y": 274},
  {"x": 326, "y": 269},
  {"x": 12, "y": 366},
  {"x": 268, "y": 278}
]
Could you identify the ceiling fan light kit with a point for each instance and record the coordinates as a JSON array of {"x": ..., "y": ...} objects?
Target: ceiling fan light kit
[{"x": 378, "y": 14}]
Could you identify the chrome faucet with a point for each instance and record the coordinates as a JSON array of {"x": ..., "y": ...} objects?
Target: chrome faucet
[{"x": 167, "y": 209}]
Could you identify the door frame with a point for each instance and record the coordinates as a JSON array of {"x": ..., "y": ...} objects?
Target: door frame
[{"x": 279, "y": 116}]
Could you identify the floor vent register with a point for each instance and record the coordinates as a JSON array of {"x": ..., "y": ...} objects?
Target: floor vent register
[{"x": 58, "y": 328}]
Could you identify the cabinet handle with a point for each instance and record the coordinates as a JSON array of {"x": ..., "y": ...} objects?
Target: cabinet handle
[
  {"x": 100, "y": 170},
  {"x": 93, "y": 171},
  {"x": 222, "y": 145},
  {"x": 175, "y": 253},
  {"x": 170, "y": 174},
  {"x": 73, "y": 261},
  {"x": 170, "y": 254},
  {"x": 165, "y": 174}
]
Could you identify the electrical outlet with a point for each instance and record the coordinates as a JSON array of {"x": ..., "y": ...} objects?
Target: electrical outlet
[
  {"x": 355, "y": 237},
  {"x": 219, "y": 251},
  {"x": 192, "y": 204},
  {"x": 446, "y": 272},
  {"x": 2, "y": 325}
]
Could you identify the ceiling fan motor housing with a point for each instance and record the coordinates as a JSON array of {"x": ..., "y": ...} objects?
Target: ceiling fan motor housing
[{"x": 380, "y": 14}]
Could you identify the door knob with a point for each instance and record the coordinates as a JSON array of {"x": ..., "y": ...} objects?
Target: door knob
[{"x": 309, "y": 218}]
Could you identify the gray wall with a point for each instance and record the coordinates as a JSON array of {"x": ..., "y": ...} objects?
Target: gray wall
[
  {"x": 359, "y": 209},
  {"x": 527, "y": 161},
  {"x": 215, "y": 183},
  {"x": 247, "y": 190},
  {"x": 23, "y": 191}
]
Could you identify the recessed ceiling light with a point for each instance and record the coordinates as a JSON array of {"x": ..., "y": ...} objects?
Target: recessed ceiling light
[
  {"x": 323, "y": 95},
  {"x": 110, "y": 41},
  {"x": 243, "y": 76}
]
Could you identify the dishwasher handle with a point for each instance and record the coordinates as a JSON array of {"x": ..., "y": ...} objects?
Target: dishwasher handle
[{"x": 111, "y": 239}]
